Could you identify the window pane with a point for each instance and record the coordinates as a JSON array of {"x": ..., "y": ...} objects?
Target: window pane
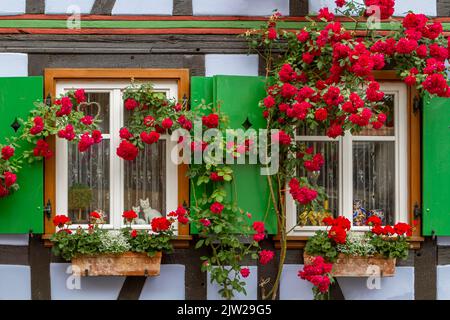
[
  {"x": 97, "y": 105},
  {"x": 88, "y": 182},
  {"x": 373, "y": 181},
  {"x": 328, "y": 178},
  {"x": 388, "y": 129},
  {"x": 145, "y": 181},
  {"x": 304, "y": 130}
]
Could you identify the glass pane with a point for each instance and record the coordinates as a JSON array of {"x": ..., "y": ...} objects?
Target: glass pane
[
  {"x": 303, "y": 130},
  {"x": 373, "y": 181},
  {"x": 88, "y": 182},
  {"x": 145, "y": 183},
  {"x": 328, "y": 178},
  {"x": 97, "y": 105},
  {"x": 388, "y": 129}
]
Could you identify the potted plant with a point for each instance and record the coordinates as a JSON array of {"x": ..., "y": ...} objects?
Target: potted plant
[
  {"x": 358, "y": 254},
  {"x": 127, "y": 252}
]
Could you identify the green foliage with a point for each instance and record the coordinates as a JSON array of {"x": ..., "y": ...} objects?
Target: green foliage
[
  {"x": 321, "y": 245},
  {"x": 390, "y": 247}
]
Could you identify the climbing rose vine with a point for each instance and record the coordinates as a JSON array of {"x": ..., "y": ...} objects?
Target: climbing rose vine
[
  {"x": 321, "y": 78},
  {"x": 64, "y": 117}
]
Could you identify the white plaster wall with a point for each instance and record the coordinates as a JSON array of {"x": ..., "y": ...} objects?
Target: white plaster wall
[
  {"x": 64, "y": 285},
  {"x": 292, "y": 287},
  {"x": 239, "y": 7},
  {"x": 12, "y": 7},
  {"x": 156, "y": 7},
  {"x": 13, "y": 65},
  {"x": 443, "y": 282},
  {"x": 399, "y": 287},
  {"x": 251, "y": 287},
  {"x": 401, "y": 6},
  {"x": 14, "y": 239},
  {"x": 169, "y": 285},
  {"x": 231, "y": 64},
  {"x": 62, "y": 6},
  {"x": 443, "y": 241},
  {"x": 15, "y": 282}
]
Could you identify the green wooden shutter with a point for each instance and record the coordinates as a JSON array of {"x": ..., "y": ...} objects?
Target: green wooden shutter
[
  {"x": 22, "y": 211},
  {"x": 239, "y": 97},
  {"x": 436, "y": 166}
]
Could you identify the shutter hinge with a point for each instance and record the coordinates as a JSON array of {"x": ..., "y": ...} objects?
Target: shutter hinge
[
  {"x": 417, "y": 104},
  {"x": 417, "y": 210},
  {"x": 48, "y": 209}
]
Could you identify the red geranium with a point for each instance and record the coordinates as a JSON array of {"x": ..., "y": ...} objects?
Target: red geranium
[
  {"x": 95, "y": 215},
  {"x": 129, "y": 215},
  {"x": 160, "y": 224},
  {"x": 134, "y": 233},
  {"x": 61, "y": 220}
]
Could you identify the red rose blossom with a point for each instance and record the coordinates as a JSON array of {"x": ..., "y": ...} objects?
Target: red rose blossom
[
  {"x": 167, "y": 123},
  {"x": 80, "y": 95},
  {"x": 130, "y": 104},
  {"x": 86, "y": 141},
  {"x": 7, "y": 152},
  {"x": 125, "y": 134},
  {"x": 211, "y": 120},
  {"x": 127, "y": 150},
  {"x": 216, "y": 207},
  {"x": 150, "y": 138},
  {"x": 245, "y": 272},
  {"x": 10, "y": 178},
  {"x": 265, "y": 256}
]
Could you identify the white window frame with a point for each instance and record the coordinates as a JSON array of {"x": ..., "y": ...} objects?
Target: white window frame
[
  {"x": 115, "y": 89},
  {"x": 399, "y": 90}
]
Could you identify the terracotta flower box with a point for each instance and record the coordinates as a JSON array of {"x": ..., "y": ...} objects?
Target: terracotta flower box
[
  {"x": 126, "y": 264},
  {"x": 355, "y": 266}
]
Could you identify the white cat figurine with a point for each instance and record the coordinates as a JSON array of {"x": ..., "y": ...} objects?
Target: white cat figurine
[
  {"x": 149, "y": 213},
  {"x": 138, "y": 220}
]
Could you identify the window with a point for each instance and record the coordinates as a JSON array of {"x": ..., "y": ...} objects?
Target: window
[
  {"x": 98, "y": 180},
  {"x": 364, "y": 174}
]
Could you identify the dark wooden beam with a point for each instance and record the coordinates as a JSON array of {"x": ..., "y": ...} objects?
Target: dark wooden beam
[
  {"x": 298, "y": 8},
  {"x": 443, "y": 8},
  {"x": 14, "y": 255},
  {"x": 35, "y": 6},
  {"x": 131, "y": 289},
  {"x": 103, "y": 7},
  {"x": 39, "y": 257},
  {"x": 122, "y": 44},
  {"x": 182, "y": 8},
  {"x": 425, "y": 271}
]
